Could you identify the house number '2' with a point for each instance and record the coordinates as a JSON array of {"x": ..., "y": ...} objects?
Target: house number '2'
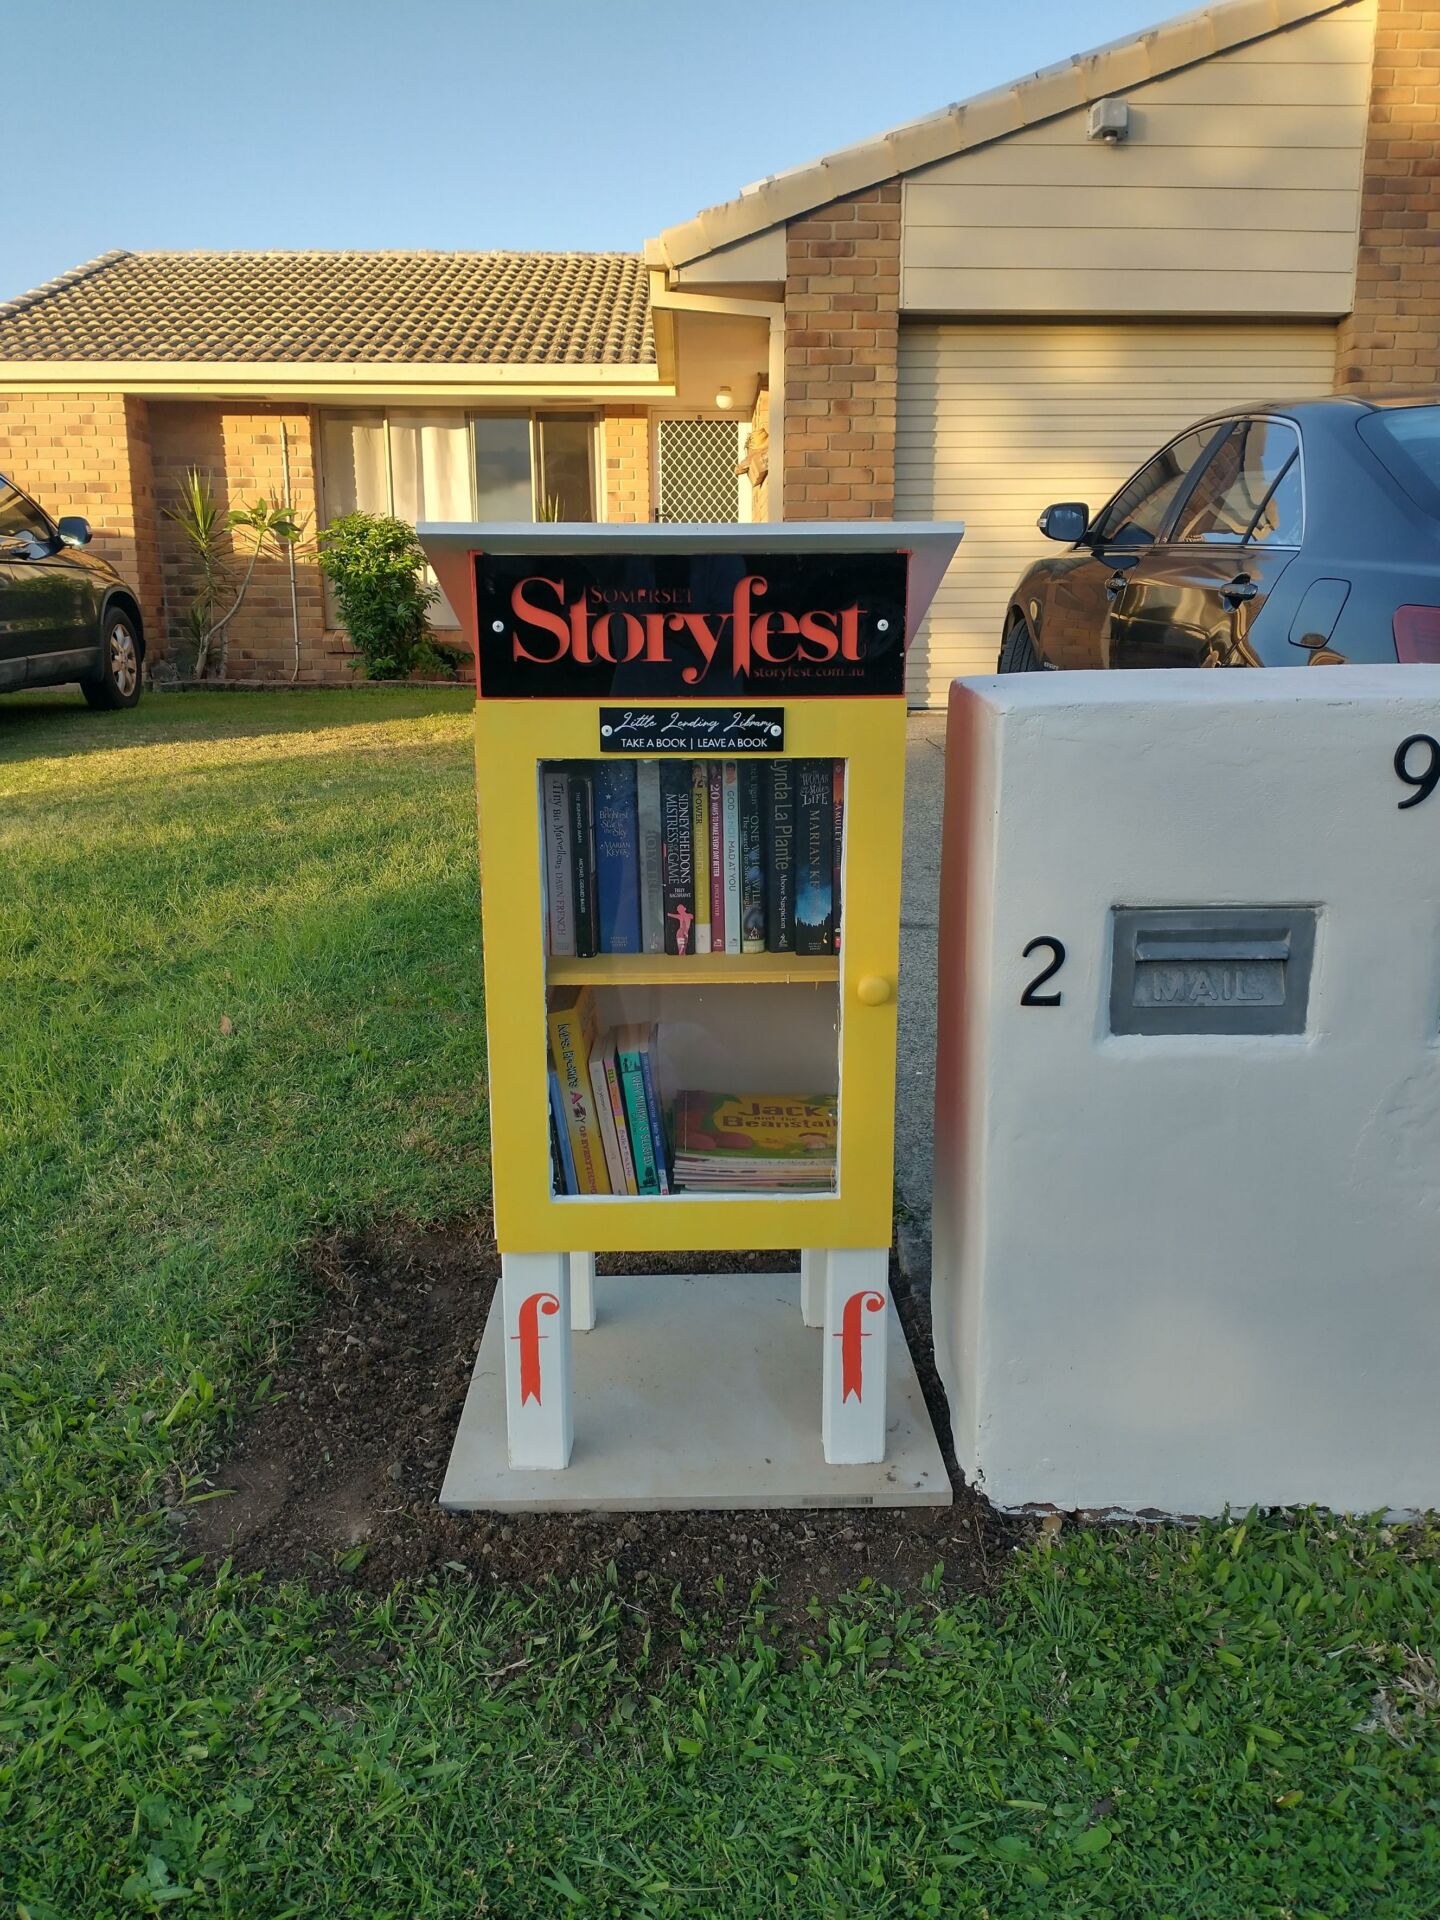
[
  {"x": 1424, "y": 783},
  {"x": 1031, "y": 997}
]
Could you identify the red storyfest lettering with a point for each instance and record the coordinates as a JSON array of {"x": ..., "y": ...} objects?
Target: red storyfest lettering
[{"x": 548, "y": 630}]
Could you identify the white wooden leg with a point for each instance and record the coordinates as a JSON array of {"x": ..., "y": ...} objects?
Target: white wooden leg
[
  {"x": 582, "y": 1292},
  {"x": 535, "y": 1293},
  {"x": 812, "y": 1286},
  {"x": 852, "y": 1411}
]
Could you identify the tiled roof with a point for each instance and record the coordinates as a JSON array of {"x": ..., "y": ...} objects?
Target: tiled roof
[{"x": 443, "y": 309}]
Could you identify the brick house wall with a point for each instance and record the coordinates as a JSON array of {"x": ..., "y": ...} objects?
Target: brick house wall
[
  {"x": 625, "y": 439},
  {"x": 842, "y": 340},
  {"x": 90, "y": 453},
  {"x": 239, "y": 446},
  {"x": 1392, "y": 338}
]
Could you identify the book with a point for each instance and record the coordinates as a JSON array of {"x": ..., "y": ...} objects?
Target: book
[
  {"x": 731, "y": 853},
  {"x": 572, "y": 1034},
  {"x": 605, "y": 1116},
  {"x": 837, "y": 856},
  {"x": 779, "y": 857},
  {"x": 560, "y": 1139},
  {"x": 814, "y": 860},
  {"x": 752, "y": 860},
  {"x": 559, "y": 879},
  {"x": 652, "y": 886},
  {"x": 700, "y": 836},
  {"x": 637, "y": 1111},
  {"x": 610, "y": 1067},
  {"x": 582, "y": 860},
  {"x": 714, "y": 774},
  {"x": 617, "y": 857},
  {"x": 761, "y": 1143},
  {"x": 677, "y": 856},
  {"x": 652, "y": 1100}
]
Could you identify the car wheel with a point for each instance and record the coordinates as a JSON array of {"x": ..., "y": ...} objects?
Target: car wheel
[
  {"x": 1017, "y": 649},
  {"x": 118, "y": 682}
]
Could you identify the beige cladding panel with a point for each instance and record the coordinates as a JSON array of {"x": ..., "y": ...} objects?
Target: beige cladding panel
[
  {"x": 998, "y": 420},
  {"x": 1236, "y": 192}
]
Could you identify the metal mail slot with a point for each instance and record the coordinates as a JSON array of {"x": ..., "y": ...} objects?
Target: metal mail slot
[{"x": 1211, "y": 969}]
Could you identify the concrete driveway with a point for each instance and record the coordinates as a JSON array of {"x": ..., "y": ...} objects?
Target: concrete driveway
[{"x": 915, "y": 1064}]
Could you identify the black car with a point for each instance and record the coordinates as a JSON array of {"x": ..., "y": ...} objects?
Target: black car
[
  {"x": 1273, "y": 536},
  {"x": 64, "y": 614}
]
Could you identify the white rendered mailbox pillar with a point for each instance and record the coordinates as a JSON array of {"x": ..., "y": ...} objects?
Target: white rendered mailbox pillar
[{"x": 1187, "y": 1161}]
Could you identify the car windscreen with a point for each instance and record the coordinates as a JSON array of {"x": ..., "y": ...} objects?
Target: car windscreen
[{"x": 1406, "y": 442}]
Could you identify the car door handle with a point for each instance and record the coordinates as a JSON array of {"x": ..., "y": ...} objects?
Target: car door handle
[
  {"x": 1242, "y": 587},
  {"x": 1116, "y": 584}
]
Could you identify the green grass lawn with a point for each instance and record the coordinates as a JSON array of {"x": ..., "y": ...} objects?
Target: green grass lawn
[{"x": 241, "y": 1006}]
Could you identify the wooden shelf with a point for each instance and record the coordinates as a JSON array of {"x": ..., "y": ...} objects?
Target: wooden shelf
[{"x": 693, "y": 969}]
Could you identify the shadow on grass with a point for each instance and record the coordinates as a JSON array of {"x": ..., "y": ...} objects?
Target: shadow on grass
[{"x": 56, "y": 724}]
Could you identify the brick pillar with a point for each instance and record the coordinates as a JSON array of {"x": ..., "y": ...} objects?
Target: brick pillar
[
  {"x": 89, "y": 453},
  {"x": 842, "y": 336},
  {"x": 627, "y": 464},
  {"x": 1392, "y": 338}
]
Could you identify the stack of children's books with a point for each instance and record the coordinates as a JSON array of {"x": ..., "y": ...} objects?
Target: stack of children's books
[
  {"x": 692, "y": 856},
  {"x": 608, "y": 1131},
  {"x": 754, "y": 1143}
]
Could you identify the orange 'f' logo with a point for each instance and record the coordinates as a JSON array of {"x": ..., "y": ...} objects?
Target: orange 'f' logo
[
  {"x": 530, "y": 1337},
  {"x": 850, "y": 1335}
]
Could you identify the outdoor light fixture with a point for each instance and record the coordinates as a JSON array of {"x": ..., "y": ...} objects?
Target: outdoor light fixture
[
  {"x": 1109, "y": 121},
  {"x": 724, "y": 398}
]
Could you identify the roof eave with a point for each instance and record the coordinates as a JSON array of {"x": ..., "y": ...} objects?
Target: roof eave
[
  {"x": 988, "y": 116},
  {"x": 329, "y": 380}
]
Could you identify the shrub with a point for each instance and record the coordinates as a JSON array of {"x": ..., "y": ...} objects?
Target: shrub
[{"x": 377, "y": 569}]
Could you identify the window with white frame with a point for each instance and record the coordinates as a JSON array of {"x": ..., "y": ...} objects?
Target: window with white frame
[{"x": 426, "y": 464}]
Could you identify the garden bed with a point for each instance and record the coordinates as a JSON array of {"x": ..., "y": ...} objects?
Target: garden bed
[{"x": 336, "y": 1473}]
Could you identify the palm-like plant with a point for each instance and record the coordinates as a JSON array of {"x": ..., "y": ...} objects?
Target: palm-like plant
[{"x": 204, "y": 524}]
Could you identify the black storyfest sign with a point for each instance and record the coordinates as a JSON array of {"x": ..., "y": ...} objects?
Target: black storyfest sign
[{"x": 647, "y": 627}]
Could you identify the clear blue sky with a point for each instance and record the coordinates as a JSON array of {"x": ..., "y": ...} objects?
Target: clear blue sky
[{"x": 466, "y": 123}]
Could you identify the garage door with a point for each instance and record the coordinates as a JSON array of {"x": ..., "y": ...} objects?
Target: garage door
[{"x": 997, "y": 421}]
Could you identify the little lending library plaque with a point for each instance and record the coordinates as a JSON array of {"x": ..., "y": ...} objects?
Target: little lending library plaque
[
  {"x": 710, "y": 625},
  {"x": 692, "y": 729}
]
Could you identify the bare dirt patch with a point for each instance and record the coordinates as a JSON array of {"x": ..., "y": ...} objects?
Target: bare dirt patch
[{"x": 336, "y": 1475}]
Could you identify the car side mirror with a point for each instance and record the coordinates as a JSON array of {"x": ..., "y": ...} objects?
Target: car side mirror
[
  {"x": 74, "y": 531},
  {"x": 1066, "y": 522}
]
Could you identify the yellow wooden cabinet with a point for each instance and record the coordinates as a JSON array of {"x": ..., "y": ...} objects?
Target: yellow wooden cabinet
[{"x": 598, "y": 647}]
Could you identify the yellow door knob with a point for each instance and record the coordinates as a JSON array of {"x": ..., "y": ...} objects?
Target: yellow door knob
[{"x": 875, "y": 989}]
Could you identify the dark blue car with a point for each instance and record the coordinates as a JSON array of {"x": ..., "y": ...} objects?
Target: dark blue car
[{"x": 1270, "y": 536}]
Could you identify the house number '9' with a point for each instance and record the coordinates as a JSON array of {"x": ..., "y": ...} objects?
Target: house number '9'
[
  {"x": 1424, "y": 783},
  {"x": 1030, "y": 997}
]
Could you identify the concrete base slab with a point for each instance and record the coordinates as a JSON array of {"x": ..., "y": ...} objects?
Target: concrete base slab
[{"x": 694, "y": 1391}]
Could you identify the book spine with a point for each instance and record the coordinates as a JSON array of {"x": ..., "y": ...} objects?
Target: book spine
[
  {"x": 582, "y": 853},
  {"x": 652, "y": 889},
  {"x": 632, "y": 1082},
  {"x": 617, "y": 857},
  {"x": 700, "y": 840},
  {"x": 677, "y": 856},
  {"x": 617, "y": 1114},
  {"x": 606, "y": 1120},
  {"x": 715, "y": 775},
  {"x": 561, "y": 1137},
  {"x": 559, "y": 876},
  {"x": 752, "y": 861},
  {"x": 572, "y": 1062},
  {"x": 732, "y": 857},
  {"x": 779, "y": 856},
  {"x": 814, "y": 860},
  {"x": 837, "y": 853},
  {"x": 657, "y": 1126}
]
